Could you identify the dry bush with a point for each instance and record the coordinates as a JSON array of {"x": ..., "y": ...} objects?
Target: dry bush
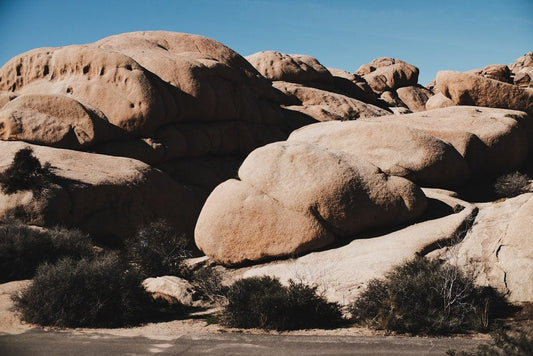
[{"x": 427, "y": 297}]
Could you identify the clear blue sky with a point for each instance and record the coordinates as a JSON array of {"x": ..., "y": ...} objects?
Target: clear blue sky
[{"x": 431, "y": 34}]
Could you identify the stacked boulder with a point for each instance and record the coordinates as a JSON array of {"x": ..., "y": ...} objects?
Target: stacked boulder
[
  {"x": 307, "y": 87},
  {"x": 396, "y": 83}
]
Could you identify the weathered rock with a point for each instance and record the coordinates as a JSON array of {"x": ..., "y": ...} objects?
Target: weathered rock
[
  {"x": 522, "y": 71},
  {"x": 438, "y": 101},
  {"x": 493, "y": 141},
  {"x": 396, "y": 149},
  {"x": 392, "y": 99},
  {"x": 295, "y": 198},
  {"x": 353, "y": 85},
  {"x": 343, "y": 272},
  {"x": 415, "y": 97},
  {"x": 324, "y": 105},
  {"x": 385, "y": 73},
  {"x": 295, "y": 68},
  {"x": 498, "y": 72},
  {"x": 54, "y": 120},
  {"x": 6, "y": 97},
  {"x": 143, "y": 80},
  {"x": 108, "y": 197},
  {"x": 173, "y": 290},
  {"x": 468, "y": 89},
  {"x": 498, "y": 249}
]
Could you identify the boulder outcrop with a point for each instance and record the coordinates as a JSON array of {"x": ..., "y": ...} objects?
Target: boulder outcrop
[
  {"x": 493, "y": 141},
  {"x": 295, "y": 197},
  {"x": 107, "y": 197},
  {"x": 396, "y": 149},
  {"x": 294, "y": 68},
  {"x": 470, "y": 89},
  {"x": 325, "y": 105},
  {"x": 386, "y": 73}
]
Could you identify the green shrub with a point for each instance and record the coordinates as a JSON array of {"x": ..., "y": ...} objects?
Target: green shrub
[
  {"x": 158, "y": 250},
  {"x": 426, "y": 297},
  {"x": 263, "y": 302},
  {"x": 25, "y": 173},
  {"x": 511, "y": 185},
  {"x": 23, "y": 248},
  {"x": 99, "y": 292}
]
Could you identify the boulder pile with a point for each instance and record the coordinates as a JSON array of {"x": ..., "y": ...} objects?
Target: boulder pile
[{"x": 272, "y": 155}]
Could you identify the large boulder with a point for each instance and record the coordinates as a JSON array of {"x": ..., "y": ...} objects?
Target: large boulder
[
  {"x": 108, "y": 197},
  {"x": 295, "y": 197},
  {"x": 353, "y": 85},
  {"x": 498, "y": 72},
  {"x": 396, "y": 149},
  {"x": 438, "y": 101},
  {"x": 385, "y": 73},
  {"x": 324, "y": 105},
  {"x": 295, "y": 68},
  {"x": 493, "y": 141},
  {"x": 470, "y": 89},
  {"x": 415, "y": 97}
]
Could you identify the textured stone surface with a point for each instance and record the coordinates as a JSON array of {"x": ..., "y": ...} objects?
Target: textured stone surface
[
  {"x": 493, "y": 141},
  {"x": 385, "y": 73},
  {"x": 324, "y": 105},
  {"x": 415, "y": 97},
  {"x": 396, "y": 149},
  {"x": 108, "y": 197},
  {"x": 295, "y": 197},
  {"x": 295, "y": 68},
  {"x": 469, "y": 89}
]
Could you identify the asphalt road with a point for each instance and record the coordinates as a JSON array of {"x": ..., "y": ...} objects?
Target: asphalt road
[{"x": 39, "y": 342}]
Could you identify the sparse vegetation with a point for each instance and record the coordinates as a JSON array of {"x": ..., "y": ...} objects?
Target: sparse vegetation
[
  {"x": 158, "y": 250},
  {"x": 263, "y": 302},
  {"x": 208, "y": 282},
  {"x": 427, "y": 297},
  {"x": 99, "y": 292},
  {"x": 504, "y": 342},
  {"x": 512, "y": 184},
  {"x": 25, "y": 173},
  {"x": 23, "y": 248}
]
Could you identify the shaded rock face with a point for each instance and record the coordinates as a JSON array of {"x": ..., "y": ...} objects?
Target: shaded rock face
[
  {"x": 294, "y": 197},
  {"x": 396, "y": 149},
  {"x": 324, "y": 105},
  {"x": 492, "y": 141},
  {"x": 470, "y": 89},
  {"x": 107, "y": 197}
]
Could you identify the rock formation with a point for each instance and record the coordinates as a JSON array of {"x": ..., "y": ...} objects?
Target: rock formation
[{"x": 294, "y": 197}]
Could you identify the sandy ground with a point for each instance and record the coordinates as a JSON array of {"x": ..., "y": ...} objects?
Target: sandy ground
[{"x": 10, "y": 323}]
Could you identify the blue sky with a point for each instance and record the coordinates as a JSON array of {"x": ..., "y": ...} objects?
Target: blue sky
[{"x": 433, "y": 35}]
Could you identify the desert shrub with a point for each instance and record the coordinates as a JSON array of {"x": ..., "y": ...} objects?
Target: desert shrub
[
  {"x": 208, "y": 282},
  {"x": 426, "y": 297},
  {"x": 504, "y": 342},
  {"x": 25, "y": 173},
  {"x": 263, "y": 302},
  {"x": 99, "y": 292},
  {"x": 23, "y": 248},
  {"x": 511, "y": 185},
  {"x": 157, "y": 249}
]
